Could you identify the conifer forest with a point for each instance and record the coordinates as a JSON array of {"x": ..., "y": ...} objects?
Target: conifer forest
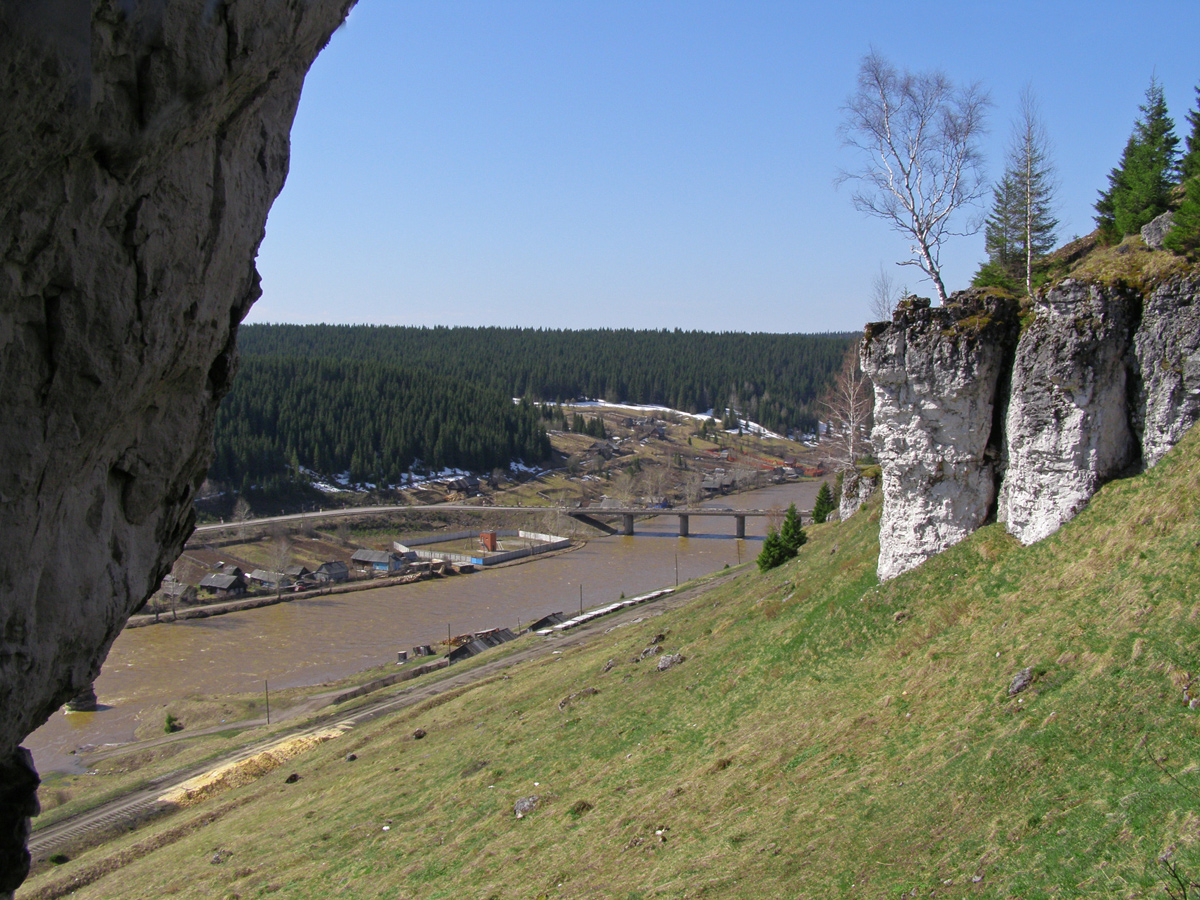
[{"x": 379, "y": 402}]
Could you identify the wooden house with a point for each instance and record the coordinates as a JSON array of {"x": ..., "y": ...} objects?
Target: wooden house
[
  {"x": 219, "y": 584},
  {"x": 334, "y": 571},
  {"x": 379, "y": 560}
]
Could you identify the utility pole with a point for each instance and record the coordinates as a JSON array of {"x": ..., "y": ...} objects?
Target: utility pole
[{"x": 267, "y": 696}]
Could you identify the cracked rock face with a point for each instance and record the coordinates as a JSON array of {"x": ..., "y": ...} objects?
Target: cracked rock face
[
  {"x": 856, "y": 489},
  {"x": 1166, "y": 350},
  {"x": 141, "y": 148},
  {"x": 1067, "y": 429},
  {"x": 1102, "y": 378},
  {"x": 936, "y": 374}
]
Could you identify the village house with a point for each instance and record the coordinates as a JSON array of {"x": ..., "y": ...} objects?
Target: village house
[
  {"x": 174, "y": 592},
  {"x": 468, "y": 485},
  {"x": 379, "y": 560},
  {"x": 268, "y": 579},
  {"x": 219, "y": 584},
  {"x": 335, "y": 571}
]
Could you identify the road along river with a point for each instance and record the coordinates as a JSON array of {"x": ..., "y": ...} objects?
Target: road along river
[{"x": 310, "y": 641}]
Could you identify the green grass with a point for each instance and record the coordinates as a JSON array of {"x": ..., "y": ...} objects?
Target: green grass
[
  {"x": 1130, "y": 263},
  {"x": 826, "y": 736}
]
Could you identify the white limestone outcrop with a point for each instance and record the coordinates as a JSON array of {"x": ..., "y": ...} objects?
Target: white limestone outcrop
[
  {"x": 1103, "y": 379},
  {"x": 1067, "y": 429},
  {"x": 1166, "y": 349},
  {"x": 935, "y": 373}
]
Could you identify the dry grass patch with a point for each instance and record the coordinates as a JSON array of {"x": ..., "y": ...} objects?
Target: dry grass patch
[{"x": 1130, "y": 263}]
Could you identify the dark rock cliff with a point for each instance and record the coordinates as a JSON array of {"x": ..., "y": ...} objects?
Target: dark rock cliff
[
  {"x": 142, "y": 146},
  {"x": 1102, "y": 379}
]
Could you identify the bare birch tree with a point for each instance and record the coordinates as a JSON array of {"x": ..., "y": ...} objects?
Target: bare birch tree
[
  {"x": 241, "y": 515},
  {"x": 847, "y": 409},
  {"x": 884, "y": 295},
  {"x": 919, "y": 135}
]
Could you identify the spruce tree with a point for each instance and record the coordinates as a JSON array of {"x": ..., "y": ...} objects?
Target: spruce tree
[
  {"x": 1001, "y": 237},
  {"x": 1139, "y": 188},
  {"x": 773, "y": 552},
  {"x": 1020, "y": 229},
  {"x": 790, "y": 533},
  {"x": 823, "y": 505},
  {"x": 1190, "y": 164},
  {"x": 1184, "y": 236},
  {"x": 1034, "y": 183}
]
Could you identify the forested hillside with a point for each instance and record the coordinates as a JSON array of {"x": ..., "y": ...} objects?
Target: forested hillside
[
  {"x": 372, "y": 419},
  {"x": 774, "y": 379},
  {"x": 374, "y": 401}
]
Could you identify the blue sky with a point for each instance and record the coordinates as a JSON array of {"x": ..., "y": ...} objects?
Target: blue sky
[{"x": 580, "y": 164}]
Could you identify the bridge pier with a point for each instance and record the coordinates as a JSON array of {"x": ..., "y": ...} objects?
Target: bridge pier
[
  {"x": 627, "y": 524},
  {"x": 741, "y": 526},
  {"x": 683, "y": 526}
]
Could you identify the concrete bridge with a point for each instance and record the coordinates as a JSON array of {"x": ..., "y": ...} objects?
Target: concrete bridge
[
  {"x": 628, "y": 514},
  {"x": 592, "y": 515}
]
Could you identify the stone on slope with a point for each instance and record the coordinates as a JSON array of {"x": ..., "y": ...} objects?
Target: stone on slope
[{"x": 856, "y": 488}]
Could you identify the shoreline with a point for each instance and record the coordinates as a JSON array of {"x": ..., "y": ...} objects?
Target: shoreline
[{"x": 142, "y": 620}]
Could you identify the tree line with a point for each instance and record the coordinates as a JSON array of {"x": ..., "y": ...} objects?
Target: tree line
[
  {"x": 918, "y": 135},
  {"x": 377, "y": 403},
  {"x": 1151, "y": 178},
  {"x": 374, "y": 421},
  {"x": 773, "y": 379}
]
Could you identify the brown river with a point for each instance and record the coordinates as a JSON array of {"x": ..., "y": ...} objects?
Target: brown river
[{"x": 308, "y": 642}]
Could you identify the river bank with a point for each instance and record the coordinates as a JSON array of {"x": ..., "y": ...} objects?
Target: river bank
[
  {"x": 225, "y": 607},
  {"x": 323, "y": 639}
]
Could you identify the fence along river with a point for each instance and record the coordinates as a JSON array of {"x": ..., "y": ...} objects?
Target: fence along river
[{"x": 310, "y": 641}]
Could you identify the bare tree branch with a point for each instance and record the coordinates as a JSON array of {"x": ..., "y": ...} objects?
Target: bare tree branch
[
  {"x": 847, "y": 410},
  {"x": 919, "y": 135},
  {"x": 884, "y": 295}
]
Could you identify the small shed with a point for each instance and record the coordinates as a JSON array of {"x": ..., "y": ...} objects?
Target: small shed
[
  {"x": 547, "y": 621},
  {"x": 477, "y": 643},
  {"x": 335, "y": 571},
  {"x": 269, "y": 579}
]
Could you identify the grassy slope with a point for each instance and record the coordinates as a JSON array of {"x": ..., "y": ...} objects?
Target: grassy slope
[{"x": 825, "y": 737}]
